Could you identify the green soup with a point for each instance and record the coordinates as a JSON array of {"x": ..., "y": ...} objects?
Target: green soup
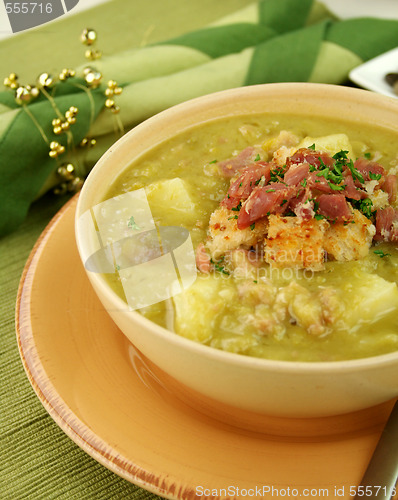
[{"x": 241, "y": 312}]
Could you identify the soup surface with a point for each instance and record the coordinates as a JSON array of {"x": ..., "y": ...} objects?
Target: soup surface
[{"x": 293, "y": 224}]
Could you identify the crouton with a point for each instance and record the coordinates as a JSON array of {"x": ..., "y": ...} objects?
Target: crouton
[
  {"x": 292, "y": 242},
  {"x": 224, "y": 234},
  {"x": 350, "y": 240}
]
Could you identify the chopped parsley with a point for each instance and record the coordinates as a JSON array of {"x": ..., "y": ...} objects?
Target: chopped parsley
[
  {"x": 233, "y": 217},
  {"x": 132, "y": 224},
  {"x": 277, "y": 173},
  {"x": 364, "y": 206},
  {"x": 319, "y": 216},
  {"x": 237, "y": 208},
  {"x": 257, "y": 158},
  {"x": 367, "y": 156},
  {"x": 381, "y": 254},
  {"x": 283, "y": 202},
  {"x": 252, "y": 226},
  {"x": 374, "y": 177},
  {"x": 218, "y": 266},
  {"x": 355, "y": 173},
  {"x": 312, "y": 147},
  {"x": 213, "y": 161},
  {"x": 270, "y": 190}
]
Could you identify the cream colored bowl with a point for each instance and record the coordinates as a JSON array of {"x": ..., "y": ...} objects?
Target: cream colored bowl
[{"x": 255, "y": 386}]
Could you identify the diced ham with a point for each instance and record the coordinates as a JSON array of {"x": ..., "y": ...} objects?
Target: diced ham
[
  {"x": 365, "y": 167},
  {"x": 306, "y": 155},
  {"x": 319, "y": 183},
  {"x": 334, "y": 207},
  {"x": 351, "y": 191},
  {"x": 296, "y": 174},
  {"x": 390, "y": 187},
  {"x": 229, "y": 167},
  {"x": 302, "y": 204},
  {"x": 241, "y": 188},
  {"x": 386, "y": 224},
  {"x": 271, "y": 199}
]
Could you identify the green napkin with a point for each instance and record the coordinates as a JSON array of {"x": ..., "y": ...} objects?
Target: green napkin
[{"x": 271, "y": 41}]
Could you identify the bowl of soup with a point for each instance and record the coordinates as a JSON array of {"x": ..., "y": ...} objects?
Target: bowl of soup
[{"x": 246, "y": 243}]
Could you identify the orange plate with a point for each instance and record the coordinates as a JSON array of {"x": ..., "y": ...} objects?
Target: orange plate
[{"x": 99, "y": 390}]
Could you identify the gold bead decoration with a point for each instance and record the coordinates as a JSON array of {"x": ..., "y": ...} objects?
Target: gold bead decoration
[
  {"x": 70, "y": 115},
  {"x": 23, "y": 95},
  {"x": 66, "y": 171},
  {"x": 56, "y": 149},
  {"x": 92, "y": 77},
  {"x": 11, "y": 81},
  {"x": 75, "y": 184},
  {"x": 113, "y": 89},
  {"x": 88, "y": 36},
  {"x": 112, "y": 106},
  {"x": 92, "y": 54},
  {"x": 45, "y": 80},
  {"x": 90, "y": 143},
  {"x": 66, "y": 73}
]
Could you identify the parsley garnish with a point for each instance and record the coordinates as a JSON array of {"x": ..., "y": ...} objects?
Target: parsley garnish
[
  {"x": 270, "y": 190},
  {"x": 367, "y": 156},
  {"x": 319, "y": 216},
  {"x": 312, "y": 147},
  {"x": 213, "y": 161},
  {"x": 132, "y": 224},
  {"x": 303, "y": 182},
  {"x": 283, "y": 202},
  {"x": 354, "y": 172},
  {"x": 374, "y": 177},
  {"x": 233, "y": 217},
  {"x": 257, "y": 158},
  {"x": 236, "y": 209},
  {"x": 365, "y": 206},
  {"x": 381, "y": 254},
  {"x": 218, "y": 266},
  {"x": 252, "y": 226},
  {"x": 276, "y": 174}
]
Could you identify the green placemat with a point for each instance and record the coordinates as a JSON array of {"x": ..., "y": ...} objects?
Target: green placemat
[{"x": 38, "y": 461}]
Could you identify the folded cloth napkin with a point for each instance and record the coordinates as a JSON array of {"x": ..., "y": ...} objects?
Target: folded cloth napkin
[{"x": 271, "y": 41}]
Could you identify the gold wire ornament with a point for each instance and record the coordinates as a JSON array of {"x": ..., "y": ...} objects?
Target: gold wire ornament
[
  {"x": 67, "y": 172},
  {"x": 66, "y": 73},
  {"x": 56, "y": 149},
  {"x": 11, "y": 81},
  {"x": 45, "y": 81},
  {"x": 88, "y": 36}
]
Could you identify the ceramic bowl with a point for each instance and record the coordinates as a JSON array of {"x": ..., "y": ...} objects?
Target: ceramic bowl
[{"x": 225, "y": 380}]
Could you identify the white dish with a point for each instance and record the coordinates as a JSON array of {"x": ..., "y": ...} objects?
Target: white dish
[{"x": 371, "y": 75}]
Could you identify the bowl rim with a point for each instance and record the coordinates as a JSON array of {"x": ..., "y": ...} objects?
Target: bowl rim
[{"x": 244, "y": 361}]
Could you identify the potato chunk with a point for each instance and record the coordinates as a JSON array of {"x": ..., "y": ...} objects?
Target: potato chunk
[
  {"x": 174, "y": 195},
  {"x": 295, "y": 243},
  {"x": 331, "y": 144}
]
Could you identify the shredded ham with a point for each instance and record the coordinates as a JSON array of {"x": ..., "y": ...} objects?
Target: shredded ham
[
  {"x": 334, "y": 207},
  {"x": 229, "y": 167}
]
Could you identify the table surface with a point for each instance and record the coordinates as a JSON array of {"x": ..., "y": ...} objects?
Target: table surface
[{"x": 37, "y": 459}]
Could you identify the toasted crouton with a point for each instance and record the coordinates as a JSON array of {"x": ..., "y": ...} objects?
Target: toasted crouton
[
  {"x": 292, "y": 242},
  {"x": 350, "y": 241},
  {"x": 224, "y": 234}
]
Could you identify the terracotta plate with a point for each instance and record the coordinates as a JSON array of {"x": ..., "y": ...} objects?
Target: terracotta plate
[{"x": 99, "y": 390}]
